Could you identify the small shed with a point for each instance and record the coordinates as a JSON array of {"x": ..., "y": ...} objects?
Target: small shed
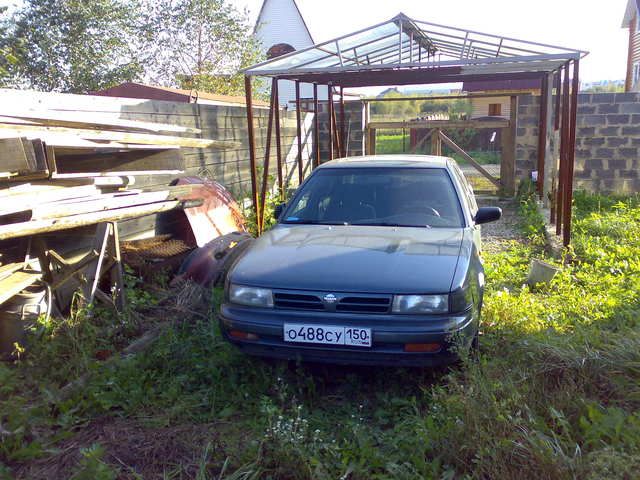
[{"x": 483, "y": 106}]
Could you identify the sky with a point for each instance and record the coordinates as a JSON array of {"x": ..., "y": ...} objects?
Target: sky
[{"x": 592, "y": 25}]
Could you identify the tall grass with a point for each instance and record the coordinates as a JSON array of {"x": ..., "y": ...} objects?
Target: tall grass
[{"x": 555, "y": 392}]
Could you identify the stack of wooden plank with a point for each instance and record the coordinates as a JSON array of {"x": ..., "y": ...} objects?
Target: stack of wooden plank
[{"x": 63, "y": 172}]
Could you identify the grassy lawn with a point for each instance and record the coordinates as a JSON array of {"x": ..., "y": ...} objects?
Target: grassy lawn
[{"x": 554, "y": 394}]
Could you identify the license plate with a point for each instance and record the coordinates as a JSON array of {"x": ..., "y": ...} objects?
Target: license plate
[{"x": 327, "y": 335}]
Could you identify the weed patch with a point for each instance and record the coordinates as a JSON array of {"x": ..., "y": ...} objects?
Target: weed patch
[{"x": 554, "y": 393}]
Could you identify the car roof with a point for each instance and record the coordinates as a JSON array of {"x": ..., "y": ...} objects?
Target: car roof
[{"x": 389, "y": 161}]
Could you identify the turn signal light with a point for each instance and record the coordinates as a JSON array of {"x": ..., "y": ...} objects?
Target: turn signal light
[
  {"x": 238, "y": 335},
  {"x": 422, "y": 347}
]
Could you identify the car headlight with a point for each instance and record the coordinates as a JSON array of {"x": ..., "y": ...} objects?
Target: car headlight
[
  {"x": 250, "y": 296},
  {"x": 420, "y": 304}
]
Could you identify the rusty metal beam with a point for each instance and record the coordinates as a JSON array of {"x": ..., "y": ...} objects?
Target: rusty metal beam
[
  {"x": 415, "y": 76},
  {"x": 564, "y": 140},
  {"x": 336, "y": 133},
  {"x": 571, "y": 153},
  {"x": 343, "y": 126},
  {"x": 542, "y": 134},
  {"x": 557, "y": 82},
  {"x": 252, "y": 145},
  {"x": 330, "y": 111},
  {"x": 316, "y": 124},
  {"x": 278, "y": 140},
  {"x": 299, "y": 132},
  {"x": 267, "y": 156}
]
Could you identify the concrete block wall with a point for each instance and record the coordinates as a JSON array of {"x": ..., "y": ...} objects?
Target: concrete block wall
[
  {"x": 354, "y": 127},
  {"x": 607, "y": 141}
]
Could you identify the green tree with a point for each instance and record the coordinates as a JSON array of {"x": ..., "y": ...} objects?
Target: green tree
[
  {"x": 607, "y": 88},
  {"x": 72, "y": 45},
  {"x": 199, "y": 44},
  {"x": 8, "y": 46}
]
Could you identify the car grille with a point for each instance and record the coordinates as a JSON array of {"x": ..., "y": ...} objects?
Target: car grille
[
  {"x": 345, "y": 303},
  {"x": 297, "y": 301},
  {"x": 364, "y": 304}
]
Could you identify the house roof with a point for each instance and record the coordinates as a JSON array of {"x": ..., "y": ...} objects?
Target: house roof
[
  {"x": 405, "y": 51},
  {"x": 633, "y": 7},
  {"x": 262, "y": 10},
  {"x": 156, "y": 92}
]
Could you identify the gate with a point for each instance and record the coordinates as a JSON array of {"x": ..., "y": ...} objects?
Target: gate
[{"x": 485, "y": 178}]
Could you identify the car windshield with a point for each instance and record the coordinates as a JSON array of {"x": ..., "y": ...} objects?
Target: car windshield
[{"x": 395, "y": 197}]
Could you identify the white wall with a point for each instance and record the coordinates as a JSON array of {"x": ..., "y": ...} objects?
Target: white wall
[
  {"x": 280, "y": 22},
  {"x": 480, "y": 106}
]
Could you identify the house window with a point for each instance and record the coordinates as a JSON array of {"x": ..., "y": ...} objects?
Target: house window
[
  {"x": 636, "y": 73},
  {"x": 495, "y": 109},
  {"x": 637, "y": 24}
]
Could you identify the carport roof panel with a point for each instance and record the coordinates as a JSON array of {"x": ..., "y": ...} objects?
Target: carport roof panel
[{"x": 405, "y": 43}]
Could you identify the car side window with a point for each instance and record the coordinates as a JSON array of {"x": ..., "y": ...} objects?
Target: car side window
[
  {"x": 302, "y": 205},
  {"x": 467, "y": 189},
  {"x": 313, "y": 201}
]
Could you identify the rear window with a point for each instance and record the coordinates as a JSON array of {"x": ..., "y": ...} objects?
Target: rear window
[{"x": 411, "y": 197}]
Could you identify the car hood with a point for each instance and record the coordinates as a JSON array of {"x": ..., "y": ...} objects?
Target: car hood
[{"x": 352, "y": 259}]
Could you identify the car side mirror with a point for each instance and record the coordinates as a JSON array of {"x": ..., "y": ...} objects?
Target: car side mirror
[
  {"x": 279, "y": 209},
  {"x": 488, "y": 214}
]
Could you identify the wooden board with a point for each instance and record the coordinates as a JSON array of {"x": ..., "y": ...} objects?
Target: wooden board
[
  {"x": 139, "y": 160},
  {"x": 24, "y": 229},
  {"x": 13, "y": 157},
  {"x": 70, "y": 140},
  {"x": 86, "y": 120},
  {"x": 122, "y": 137},
  {"x": 58, "y": 210},
  {"x": 15, "y": 283}
]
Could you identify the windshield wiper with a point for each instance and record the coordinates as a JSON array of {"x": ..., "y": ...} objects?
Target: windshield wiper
[
  {"x": 304, "y": 221},
  {"x": 300, "y": 221},
  {"x": 389, "y": 224}
]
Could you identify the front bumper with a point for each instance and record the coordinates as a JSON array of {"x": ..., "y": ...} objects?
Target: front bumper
[{"x": 389, "y": 335}]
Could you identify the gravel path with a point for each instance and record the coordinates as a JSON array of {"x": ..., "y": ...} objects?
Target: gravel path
[{"x": 497, "y": 235}]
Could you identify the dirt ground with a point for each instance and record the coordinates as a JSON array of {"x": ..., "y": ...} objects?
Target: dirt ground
[
  {"x": 139, "y": 450},
  {"x": 497, "y": 235}
]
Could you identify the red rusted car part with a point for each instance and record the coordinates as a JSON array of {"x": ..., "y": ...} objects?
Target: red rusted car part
[
  {"x": 209, "y": 264},
  {"x": 219, "y": 214}
]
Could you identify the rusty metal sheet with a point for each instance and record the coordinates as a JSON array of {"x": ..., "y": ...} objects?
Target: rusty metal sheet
[{"x": 218, "y": 215}]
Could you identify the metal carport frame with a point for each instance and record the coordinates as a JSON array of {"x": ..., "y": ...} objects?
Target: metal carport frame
[{"x": 404, "y": 51}]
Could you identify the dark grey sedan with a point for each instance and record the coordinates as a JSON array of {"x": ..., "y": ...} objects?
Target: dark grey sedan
[{"x": 375, "y": 260}]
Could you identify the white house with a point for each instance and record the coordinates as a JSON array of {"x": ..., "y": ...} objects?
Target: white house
[{"x": 281, "y": 29}]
